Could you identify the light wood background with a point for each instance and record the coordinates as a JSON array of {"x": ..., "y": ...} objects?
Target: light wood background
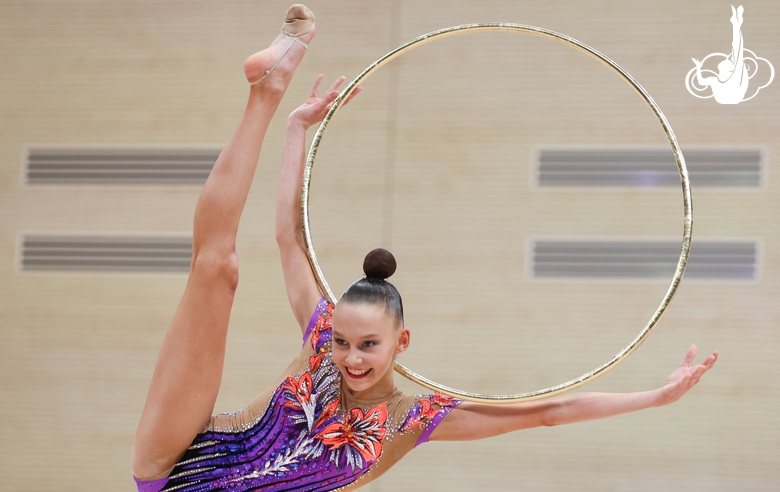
[{"x": 433, "y": 162}]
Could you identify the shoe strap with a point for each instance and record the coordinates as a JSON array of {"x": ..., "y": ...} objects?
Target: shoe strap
[
  {"x": 293, "y": 40},
  {"x": 296, "y": 37}
]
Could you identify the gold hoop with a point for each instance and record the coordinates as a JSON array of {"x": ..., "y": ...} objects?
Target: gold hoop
[{"x": 537, "y": 31}]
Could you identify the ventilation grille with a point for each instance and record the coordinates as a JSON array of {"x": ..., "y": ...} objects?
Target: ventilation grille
[
  {"x": 643, "y": 259},
  {"x": 648, "y": 168},
  {"x": 106, "y": 254},
  {"x": 68, "y": 166}
]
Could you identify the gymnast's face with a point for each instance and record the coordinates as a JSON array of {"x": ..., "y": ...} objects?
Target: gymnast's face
[{"x": 366, "y": 339}]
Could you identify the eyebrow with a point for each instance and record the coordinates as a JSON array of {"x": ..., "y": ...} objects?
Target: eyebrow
[{"x": 372, "y": 335}]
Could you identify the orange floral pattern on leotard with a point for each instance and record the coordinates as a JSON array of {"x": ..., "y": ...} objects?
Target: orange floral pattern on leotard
[
  {"x": 358, "y": 431},
  {"x": 321, "y": 328},
  {"x": 423, "y": 413},
  {"x": 305, "y": 439}
]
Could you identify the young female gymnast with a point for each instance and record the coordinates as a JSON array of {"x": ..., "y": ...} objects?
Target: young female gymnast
[
  {"x": 731, "y": 83},
  {"x": 334, "y": 419}
]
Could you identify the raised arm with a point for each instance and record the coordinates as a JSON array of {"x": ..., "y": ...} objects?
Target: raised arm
[
  {"x": 704, "y": 82},
  {"x": 302, "y": 289},
  {"x": 471, "y": 421}
]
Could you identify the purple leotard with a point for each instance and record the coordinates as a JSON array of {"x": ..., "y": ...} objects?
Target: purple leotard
[{"x": 311, "y": 436}]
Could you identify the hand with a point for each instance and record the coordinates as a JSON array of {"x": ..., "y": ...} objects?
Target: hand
[
  {"x": 315, "y": 108},
  {"x": 686, "y": 376},
  {"x": 697, "y": 62}
]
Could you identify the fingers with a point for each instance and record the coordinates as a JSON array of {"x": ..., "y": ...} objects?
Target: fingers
[
  {"x": 357, "y": 91},
  {"x": 689, "y": 356},
  {"x": 328, "y": 99},
  {"x": 335, "y": 88},
  {"x": 337, "y": 83},
  {"x": 316, "y": 87},
  {"x": 699, "y": 370},
  {"x": 707, "y": 364},
  {"x": 697, "y": 373},
  {"x": 688, "y": 375},
  {"x": 354, "y": 93},
  {"x": 710, "y": 361},
  {"x": 688, "y": 381}
]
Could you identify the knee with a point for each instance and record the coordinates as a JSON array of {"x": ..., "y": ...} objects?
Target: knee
[{"x": 212, "y": 266}]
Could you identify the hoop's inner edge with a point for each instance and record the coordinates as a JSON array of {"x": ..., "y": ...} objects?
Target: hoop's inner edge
[{"x": 555, "y": 36}]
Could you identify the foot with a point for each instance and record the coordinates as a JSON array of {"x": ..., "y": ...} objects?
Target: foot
[
  {"x": 276, "y": 64},
  {"x": 736, "y": 16}
]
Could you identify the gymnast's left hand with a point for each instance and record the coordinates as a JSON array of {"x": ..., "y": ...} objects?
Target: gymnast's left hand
[
  {"x": 315, "y": 108},
  {"x": 685, "y": 376}
]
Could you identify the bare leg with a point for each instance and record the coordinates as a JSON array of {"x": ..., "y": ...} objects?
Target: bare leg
[
  {"x": 736, "y": 35},
  {"x": 187, "y": 376}
]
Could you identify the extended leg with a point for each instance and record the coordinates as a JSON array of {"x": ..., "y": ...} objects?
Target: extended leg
[
  {"x": 736, "y": 34},
  {"x": 188, "y": 372}
]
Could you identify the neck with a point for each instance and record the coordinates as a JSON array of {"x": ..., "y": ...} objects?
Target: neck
[{"x": 378, "y": 391}]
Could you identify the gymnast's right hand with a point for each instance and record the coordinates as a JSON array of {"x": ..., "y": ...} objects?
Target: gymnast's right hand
[{"x": 315, "y": 108}]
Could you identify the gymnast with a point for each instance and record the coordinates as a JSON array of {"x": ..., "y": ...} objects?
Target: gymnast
[
  {"x": 731, "y": 84},
  {"x": 333, "y": 420}
]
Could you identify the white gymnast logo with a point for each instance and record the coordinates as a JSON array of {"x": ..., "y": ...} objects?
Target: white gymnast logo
[{"x": 730, "y": 84}]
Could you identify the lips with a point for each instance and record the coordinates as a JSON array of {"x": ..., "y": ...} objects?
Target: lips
[{"x": 357, "y": 373}]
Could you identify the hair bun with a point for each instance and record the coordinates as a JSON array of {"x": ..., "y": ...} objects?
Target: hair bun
[{"x": 379, "y": 264}]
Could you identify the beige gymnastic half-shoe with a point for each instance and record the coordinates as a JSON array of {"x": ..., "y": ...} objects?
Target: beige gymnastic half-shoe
[{"x": 298, "y": 21}]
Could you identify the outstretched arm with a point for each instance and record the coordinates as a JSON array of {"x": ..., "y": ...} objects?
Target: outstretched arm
[
  {"x": 302, "y": 289},
  {"x": 471, "y": 421}
]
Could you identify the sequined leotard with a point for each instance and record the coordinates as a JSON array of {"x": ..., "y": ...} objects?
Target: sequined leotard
[{"x": 311, "y": 435}]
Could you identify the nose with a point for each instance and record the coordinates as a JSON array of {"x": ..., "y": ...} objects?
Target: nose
[{"x": 353, "y": 359}]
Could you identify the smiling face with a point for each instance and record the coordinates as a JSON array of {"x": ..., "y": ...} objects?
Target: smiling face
[{"x": 366, "y": 339}]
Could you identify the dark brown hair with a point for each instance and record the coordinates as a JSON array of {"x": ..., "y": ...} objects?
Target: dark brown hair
[{"x": 374, "y": 288}]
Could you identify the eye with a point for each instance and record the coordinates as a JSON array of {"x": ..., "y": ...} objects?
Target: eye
[
  {"x": 340, "y": 341},
  {"x": 369, "y": 343}
]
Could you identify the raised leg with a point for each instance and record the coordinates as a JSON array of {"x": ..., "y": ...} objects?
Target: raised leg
[{"x": 188, "y": 372}]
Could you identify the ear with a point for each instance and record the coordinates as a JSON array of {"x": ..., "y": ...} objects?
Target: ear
[{"x": 403, "y": 340}]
